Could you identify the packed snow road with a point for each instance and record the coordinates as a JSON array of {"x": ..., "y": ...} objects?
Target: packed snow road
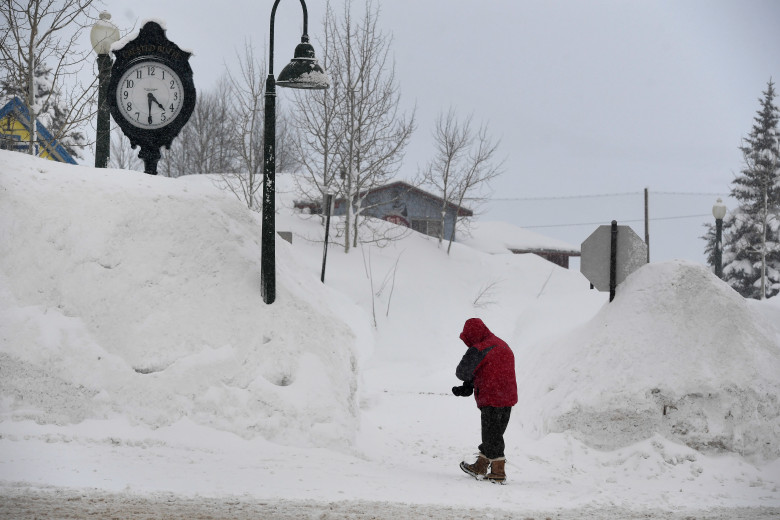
[{"x": 65, "y": 504}]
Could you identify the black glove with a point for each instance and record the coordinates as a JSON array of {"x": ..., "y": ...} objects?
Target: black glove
[{"x": 463, "y": 391}]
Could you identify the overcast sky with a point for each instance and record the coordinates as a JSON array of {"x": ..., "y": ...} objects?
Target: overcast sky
[{"x": 605, "y": 97}]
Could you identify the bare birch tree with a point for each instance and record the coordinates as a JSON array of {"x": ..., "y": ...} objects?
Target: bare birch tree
[
  {"x": 377, "y": 132},
  {"x": 463, "y": 165},
  {"x": 44, "y": 35},
  {"x": 318, "y": 128},
  {"x": 365, "y": 133}
]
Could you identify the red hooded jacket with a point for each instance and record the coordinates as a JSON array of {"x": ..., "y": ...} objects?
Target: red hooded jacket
[{"x": 489, "y": 365}]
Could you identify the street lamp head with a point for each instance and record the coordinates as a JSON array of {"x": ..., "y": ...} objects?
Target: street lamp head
[
  {"x": 103, "y": 34},
  {"x": 303, "y": 71},
  {"x": 719, "y": 210}
]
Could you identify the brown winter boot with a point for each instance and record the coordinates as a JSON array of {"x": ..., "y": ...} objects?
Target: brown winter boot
[
  {"x": 497, "y": 472},
  {"x": 478, "y": 470}
]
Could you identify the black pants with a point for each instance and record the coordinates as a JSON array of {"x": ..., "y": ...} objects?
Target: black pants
[{"x": 494, "y": 423}]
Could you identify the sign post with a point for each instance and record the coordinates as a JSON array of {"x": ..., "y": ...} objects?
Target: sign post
[
  {"x": 610, "y": 254},
  {"x": 328, "y": 211}
]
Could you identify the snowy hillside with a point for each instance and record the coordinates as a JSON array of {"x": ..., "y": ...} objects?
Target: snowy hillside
[{"x": 137, "y": 357}]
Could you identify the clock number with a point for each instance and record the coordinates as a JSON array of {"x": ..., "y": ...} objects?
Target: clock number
[
  {"x": 162, "y": 116},
  {"x": 139, "y": 74},
  {"x": 173, "y": 83},
  {"x": 150, "y": 71},
  {"x": 172, "y": 108},
  {"x": 129, "y": 105},
  {"x": 163, "y": 74},
  {"x": 129, "y": 83},
  {"x": 175, "y": 96},
  {"x": 125, "y": 94},
  {"x": 138, "y": 116}
]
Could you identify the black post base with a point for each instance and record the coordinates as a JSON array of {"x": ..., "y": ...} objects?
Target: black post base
[{"x": 150, "y": 156}]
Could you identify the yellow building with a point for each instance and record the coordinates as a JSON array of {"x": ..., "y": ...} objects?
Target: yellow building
[{"x": 15, "y": 134}]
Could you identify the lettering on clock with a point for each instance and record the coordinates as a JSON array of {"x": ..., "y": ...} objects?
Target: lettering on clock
[{"x": 164, "y": 50}]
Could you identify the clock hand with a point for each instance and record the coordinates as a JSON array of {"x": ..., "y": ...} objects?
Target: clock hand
[{"x": 149, "y": 97}]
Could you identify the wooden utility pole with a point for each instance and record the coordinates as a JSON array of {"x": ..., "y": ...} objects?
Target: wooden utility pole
[{"x": 647, "y": 225}]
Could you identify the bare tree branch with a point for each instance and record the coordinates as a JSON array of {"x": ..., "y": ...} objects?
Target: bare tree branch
[
  {"x": 463, "y": 165},
  {"x": 353, "y": 135}
]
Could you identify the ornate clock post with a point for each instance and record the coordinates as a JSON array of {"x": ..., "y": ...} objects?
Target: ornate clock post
[{"x": 151, "y": 94}]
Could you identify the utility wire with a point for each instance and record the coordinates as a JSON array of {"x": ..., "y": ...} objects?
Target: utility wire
[
  {"x": 559, "y": 197},
  {"x": 603, "y": 222},
  {"x": 601, "y": 195},
  {"x": 690, "y": 193}
]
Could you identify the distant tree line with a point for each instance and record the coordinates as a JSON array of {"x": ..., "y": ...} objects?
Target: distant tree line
[{"x": 751, "y": 231}]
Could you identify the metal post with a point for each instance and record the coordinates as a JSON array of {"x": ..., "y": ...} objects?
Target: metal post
[
  {"x": 328, "y": 204},
  {"x": 613, "y": 261},
  {"x": 150, "y": 155},
  {"x": 719, "y": 248},
  {"x": 268, "y": 238},
  {"x": 303, "y": 51},
  {"x": 103, "y": 137}
]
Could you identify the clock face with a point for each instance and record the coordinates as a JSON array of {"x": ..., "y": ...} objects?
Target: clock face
[{"x": 149, "y": 94}]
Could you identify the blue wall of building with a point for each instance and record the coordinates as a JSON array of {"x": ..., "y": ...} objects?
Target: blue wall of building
[{"x": 401, "y": 204}]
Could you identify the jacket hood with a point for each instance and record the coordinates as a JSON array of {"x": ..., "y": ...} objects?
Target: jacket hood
[{"x": 474, "y": 331}]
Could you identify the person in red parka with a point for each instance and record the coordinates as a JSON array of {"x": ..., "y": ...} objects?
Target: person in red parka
[{"x": 488, "y": 371}]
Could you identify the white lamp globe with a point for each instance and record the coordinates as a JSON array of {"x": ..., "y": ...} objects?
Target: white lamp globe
[
  {"x": 719, "y": 210},
  {"x": 103, "y": 34}
]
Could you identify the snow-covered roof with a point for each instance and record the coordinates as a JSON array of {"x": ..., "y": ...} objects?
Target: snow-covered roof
[
  {"x": 502, "y": 237},
  {"x": 54, "y": 148}
]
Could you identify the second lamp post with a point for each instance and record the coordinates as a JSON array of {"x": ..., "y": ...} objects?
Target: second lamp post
[
  {"x": 302, "y": 72},
  {"x": 719, "y": 211},
  {"x": 102, "y": 36}
]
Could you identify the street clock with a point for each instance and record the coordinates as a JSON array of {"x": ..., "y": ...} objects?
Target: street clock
[{"x": 151, "y": 93}]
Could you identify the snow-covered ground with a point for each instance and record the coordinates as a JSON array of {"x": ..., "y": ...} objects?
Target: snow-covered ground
[{"x": 142, "y": 375}]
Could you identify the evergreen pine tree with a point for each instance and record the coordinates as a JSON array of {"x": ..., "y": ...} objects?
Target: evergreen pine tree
[{"x": 751, "y": 254}]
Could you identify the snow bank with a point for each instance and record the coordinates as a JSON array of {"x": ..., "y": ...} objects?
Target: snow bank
[
  {"x": 677, "y": 352},
  {"x": 132, "y": 295}
]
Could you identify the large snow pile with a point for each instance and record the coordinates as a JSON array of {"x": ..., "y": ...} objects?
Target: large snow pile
[
  {"x": 138, "y": 296},
  {"x": 677, "y": 352}
]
